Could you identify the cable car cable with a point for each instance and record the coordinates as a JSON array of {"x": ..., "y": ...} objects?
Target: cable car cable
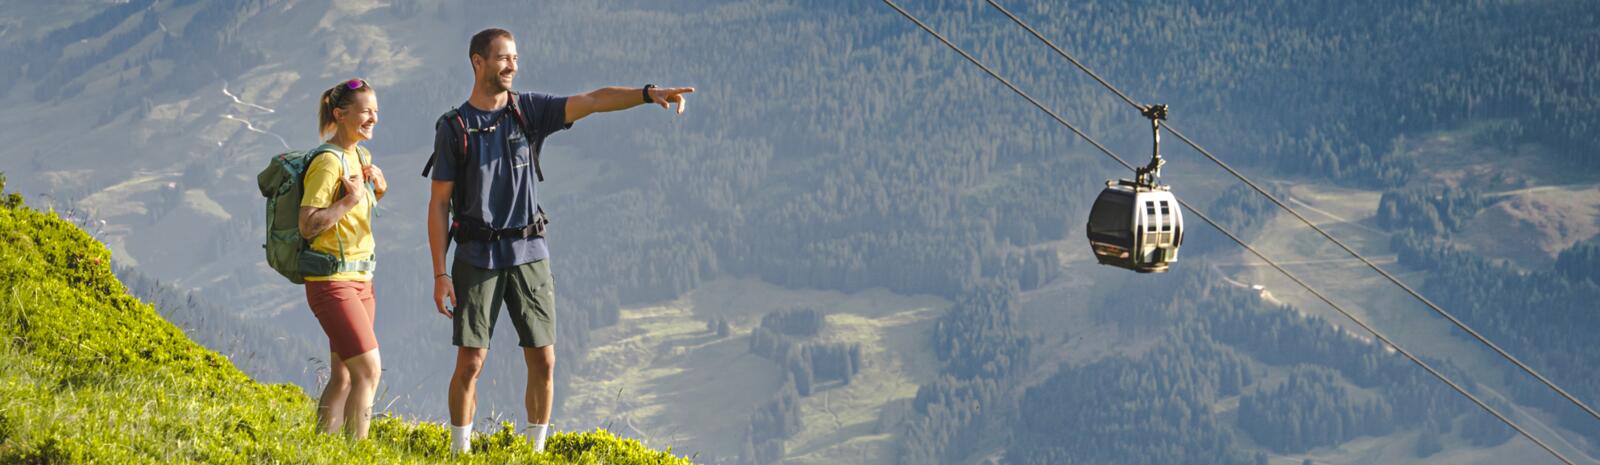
[
  {"x": 1068, "y": 56},
  {"x": 1385, "y": 273},
  {"x": 1379, "y": 335},
  {"x": 1409, "y": 356}
]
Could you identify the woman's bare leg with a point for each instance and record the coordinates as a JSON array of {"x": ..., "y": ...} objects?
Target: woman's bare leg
[
  {"x": 364, "y": 372},
  {"x": 330, "y": 408}
]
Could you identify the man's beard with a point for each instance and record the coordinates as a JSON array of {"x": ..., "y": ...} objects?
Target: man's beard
[{"x": 493, "y": 82}]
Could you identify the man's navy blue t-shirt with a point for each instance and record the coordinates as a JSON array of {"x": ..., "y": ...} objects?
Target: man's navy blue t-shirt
[{"x": 504, "y": 181}]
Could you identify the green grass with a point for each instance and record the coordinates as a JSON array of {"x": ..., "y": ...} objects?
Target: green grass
[{"x": 89, "y": 374}]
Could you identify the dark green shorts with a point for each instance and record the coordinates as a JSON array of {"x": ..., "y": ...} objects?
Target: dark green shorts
[{"x": 527, "y": 291}]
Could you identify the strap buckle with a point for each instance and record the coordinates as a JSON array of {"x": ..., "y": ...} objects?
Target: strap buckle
[{"x": 477, "y": 232}]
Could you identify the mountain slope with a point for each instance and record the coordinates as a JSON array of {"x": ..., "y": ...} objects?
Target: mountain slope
[
  {"x": 832, "y": 146},
  {"x": 89, "y": 374}
]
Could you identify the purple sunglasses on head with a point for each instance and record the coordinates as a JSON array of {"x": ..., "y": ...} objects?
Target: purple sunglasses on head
[{"x": 355, "y": 84}]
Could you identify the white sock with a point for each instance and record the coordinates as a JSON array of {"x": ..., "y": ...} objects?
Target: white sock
[
  {"x": 461, "y": 439},
  {"x": 536, "y": 434}
]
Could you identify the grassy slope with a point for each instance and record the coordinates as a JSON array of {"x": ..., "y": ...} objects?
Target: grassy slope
[{"x": 89, "y": 374}]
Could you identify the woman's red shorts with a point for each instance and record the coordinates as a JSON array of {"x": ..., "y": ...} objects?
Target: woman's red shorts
[{"x": 346, "y": 310}]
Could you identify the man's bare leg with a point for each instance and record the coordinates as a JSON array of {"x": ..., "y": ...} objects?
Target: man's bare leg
[
  {"x": 541, "y": 391},
  {"x": 464, "y": 394}
]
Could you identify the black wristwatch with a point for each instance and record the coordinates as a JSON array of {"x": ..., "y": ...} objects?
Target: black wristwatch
[{"x": 647, "y": 88}]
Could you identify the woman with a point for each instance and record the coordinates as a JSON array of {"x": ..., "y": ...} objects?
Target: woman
[{"x": 342, "y": 187}]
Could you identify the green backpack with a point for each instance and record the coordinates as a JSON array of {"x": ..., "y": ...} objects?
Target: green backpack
[{"x": 283, "y": 184}]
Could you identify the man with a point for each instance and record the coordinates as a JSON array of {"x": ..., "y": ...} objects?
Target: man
[{"x": 485, "y": 196}]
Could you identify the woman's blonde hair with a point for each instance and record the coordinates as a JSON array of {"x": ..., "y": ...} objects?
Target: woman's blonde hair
[{"x": 337, "y": 96}]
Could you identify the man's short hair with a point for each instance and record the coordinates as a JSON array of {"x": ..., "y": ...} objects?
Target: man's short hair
[{"x": 481, "y": 41}]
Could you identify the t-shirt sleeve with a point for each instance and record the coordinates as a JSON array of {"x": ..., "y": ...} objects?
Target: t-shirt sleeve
[
  {"x": 547, "y": 113},
  {"x": 322, "y": 181},
  {"x": 445, "y": 146}
]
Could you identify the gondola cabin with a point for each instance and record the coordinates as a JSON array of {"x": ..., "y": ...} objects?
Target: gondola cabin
[{"x": 1136, "y": 226}]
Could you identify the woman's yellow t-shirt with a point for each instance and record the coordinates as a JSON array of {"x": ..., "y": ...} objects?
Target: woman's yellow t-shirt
[{"x": 355, "y": 227}]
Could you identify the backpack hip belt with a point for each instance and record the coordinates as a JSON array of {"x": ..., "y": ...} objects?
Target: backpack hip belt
[{"x": 479, "y": 232}]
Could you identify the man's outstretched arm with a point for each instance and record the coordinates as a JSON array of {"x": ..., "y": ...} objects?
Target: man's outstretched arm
[{"x": 622, "y": 98}]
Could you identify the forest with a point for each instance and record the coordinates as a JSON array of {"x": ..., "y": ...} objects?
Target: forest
[
  {"x": 1544, "y": 317},
  {"x": 1215, "y": 342},
  {"x": 842, "y": 149}
]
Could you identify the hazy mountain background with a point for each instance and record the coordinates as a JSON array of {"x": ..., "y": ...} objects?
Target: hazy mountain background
[{"x": 856, "y": 248}]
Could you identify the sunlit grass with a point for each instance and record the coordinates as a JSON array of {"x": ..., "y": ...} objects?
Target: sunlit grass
[{"x": 89, "y": 374}]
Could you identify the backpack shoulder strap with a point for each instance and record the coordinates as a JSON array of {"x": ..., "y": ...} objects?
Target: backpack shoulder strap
[
  {"x": 522, "y": 123},
  {"x": 311, "y": 155},
  {"x": 516, "y": 110},
  {"x": 311, "y": 158},
  {"x": 364, "y": 158},
  {"x": 458, "y": 128}
]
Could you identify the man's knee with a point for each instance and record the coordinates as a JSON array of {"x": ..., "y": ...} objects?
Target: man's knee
[
  {"x": 467, "y": 374},
  {"x": 541, "y": 360},
  {"x": 469, "y": 364}
]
